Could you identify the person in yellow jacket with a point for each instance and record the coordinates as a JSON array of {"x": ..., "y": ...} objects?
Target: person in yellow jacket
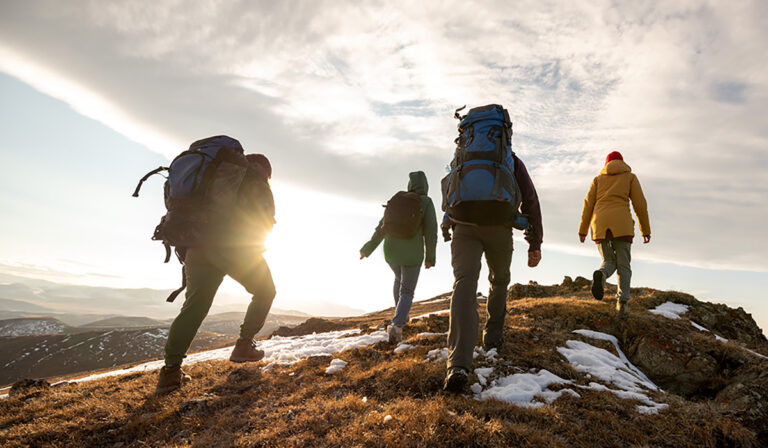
[{"x": 606, "y": 212}]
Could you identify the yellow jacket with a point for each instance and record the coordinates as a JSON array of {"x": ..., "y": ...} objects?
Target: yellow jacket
[{"x": 607, "y": 203}]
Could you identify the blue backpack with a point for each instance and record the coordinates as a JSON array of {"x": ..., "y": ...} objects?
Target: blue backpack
[
  {"x": 480, "y": 187},
  {"x": 202, "y": 187}
]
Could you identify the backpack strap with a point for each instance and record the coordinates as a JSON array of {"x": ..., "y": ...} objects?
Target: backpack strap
[
  {"x": 147, "y": 176},
  {"x": 176, "y": 293}
]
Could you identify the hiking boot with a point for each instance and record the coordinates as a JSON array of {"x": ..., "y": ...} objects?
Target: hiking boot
[
  {"x": 170, "y": 379},
  {"x": 455, "y": 380},
  {"x": 489, "y": 343},
  {"x": 395, "y": 333},
  {"x": 597, "y": 285},
  {"x": 622, "y": 308},
  {"x": 245, "y": 351}
]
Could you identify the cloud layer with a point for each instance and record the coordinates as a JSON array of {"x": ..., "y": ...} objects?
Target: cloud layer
[{"x": 349, "y": 97}]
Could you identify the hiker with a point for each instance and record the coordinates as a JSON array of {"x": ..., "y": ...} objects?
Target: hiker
[
  {"x": 483, "y": 194},
  {"x": 220, "y": 210},
  {"x": 606, "y": 212},
  {"x": 408, "y": 227}
]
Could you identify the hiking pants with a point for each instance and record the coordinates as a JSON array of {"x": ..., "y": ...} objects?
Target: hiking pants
[
  {"x": 406, "y": 278},
  {"x": 616, "y": 258},
  {"x": 206, "y": 268},
  {"x": 467, "y": 247}
]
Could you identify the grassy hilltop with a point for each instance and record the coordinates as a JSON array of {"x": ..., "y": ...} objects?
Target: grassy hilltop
[{"x": 712, "y": 390}]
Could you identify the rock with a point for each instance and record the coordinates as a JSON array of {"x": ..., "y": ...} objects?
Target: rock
[
  {"x": 744, "y": 397},
  {"x": 28, "y": 386},
  {"x": 581, "y": 282},
  {"x": 567, "y": 282},
  {"x": 733, "y": 324},
  {"x": 309, "y": 326},
  {"x": 676, "y": 367}
]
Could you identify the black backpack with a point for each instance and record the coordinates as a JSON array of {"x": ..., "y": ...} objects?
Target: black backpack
[{"x": 403, "y": 214}]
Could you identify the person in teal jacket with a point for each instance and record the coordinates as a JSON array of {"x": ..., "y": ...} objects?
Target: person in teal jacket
[{"x": 405, "y": 256}]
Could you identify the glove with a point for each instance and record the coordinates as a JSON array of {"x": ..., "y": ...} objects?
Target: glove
[
  {"x": 529, "y": 234},
  {"x": 446, "y": 228}
]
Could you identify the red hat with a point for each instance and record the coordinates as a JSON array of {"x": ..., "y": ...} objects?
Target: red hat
[
  {"x": 615, "y": 155},
  {"x": 261, "y": 161}
]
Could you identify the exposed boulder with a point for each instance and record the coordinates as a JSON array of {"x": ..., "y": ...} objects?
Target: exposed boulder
[
  {"x": 309, "y": 326},
  {"x": 676, "y": 365}
]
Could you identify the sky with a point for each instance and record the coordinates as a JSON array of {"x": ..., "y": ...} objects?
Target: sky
[{"x": 346, "y": 98}]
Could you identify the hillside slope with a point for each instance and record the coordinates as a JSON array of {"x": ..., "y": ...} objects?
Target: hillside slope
[{"x": 570, "y": 374}]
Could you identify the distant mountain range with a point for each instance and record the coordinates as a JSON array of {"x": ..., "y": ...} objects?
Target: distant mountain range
[
  {"x": 80, "y": 305},
  {"x": 48, "y": 347}
]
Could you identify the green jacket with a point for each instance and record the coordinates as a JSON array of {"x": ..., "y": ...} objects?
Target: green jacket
[{"x": 410, "y": 252}]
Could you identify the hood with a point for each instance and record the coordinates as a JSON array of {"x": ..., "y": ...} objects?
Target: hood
[
  {"x": 615, "y": 167},
  {"x": 417, "y": 182}
]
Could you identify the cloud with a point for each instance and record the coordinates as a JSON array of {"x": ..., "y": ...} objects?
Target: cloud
[{"x": 349, "y": 97}]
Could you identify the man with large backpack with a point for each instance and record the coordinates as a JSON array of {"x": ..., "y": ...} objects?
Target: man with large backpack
[
  {"x": 408, "y": 227},
  {"x": 220, "y": 210},
  {"x": 483, "y": 195}
]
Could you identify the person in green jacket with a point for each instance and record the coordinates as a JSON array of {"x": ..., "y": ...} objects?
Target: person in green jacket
[{"x": 405, "y": 256}]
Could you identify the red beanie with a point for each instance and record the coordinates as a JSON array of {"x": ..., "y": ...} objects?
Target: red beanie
[{"x": 615, "y": 155}]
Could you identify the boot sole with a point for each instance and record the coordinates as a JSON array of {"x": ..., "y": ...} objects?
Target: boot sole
[
  {"x": 241, "y": 360},
  {"x": 166, "y": 390},
  {"x": 597, "y": 285},
  {"x": 455, "y": 383}
]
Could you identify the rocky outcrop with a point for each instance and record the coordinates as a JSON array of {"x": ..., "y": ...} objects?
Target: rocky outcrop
[{"x": 311, "y": 325}]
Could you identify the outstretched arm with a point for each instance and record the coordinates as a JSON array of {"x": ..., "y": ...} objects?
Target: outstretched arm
[{"x": 374, "y": 242}]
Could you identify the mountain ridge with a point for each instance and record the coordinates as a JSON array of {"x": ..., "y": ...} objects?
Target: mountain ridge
[{"x": 706, "y": 367}]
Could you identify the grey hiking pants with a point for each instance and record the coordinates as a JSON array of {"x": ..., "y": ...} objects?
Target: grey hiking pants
[
  {"x": 616, "y": 258},
  {"x": 206, "y": 268},
  {"x": 467, "y": 248},
  {"x": 403, "y": 290}
]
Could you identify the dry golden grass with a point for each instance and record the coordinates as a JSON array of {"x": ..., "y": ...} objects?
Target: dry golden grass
[{"x": 299, "y": 405}]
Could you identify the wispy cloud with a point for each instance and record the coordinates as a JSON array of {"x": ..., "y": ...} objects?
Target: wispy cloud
[{"x": 347, "y": 97}]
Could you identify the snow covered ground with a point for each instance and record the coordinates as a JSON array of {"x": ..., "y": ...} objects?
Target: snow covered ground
[
  {"x": 436, "y": 313},
  {"x": 278, "y": 350},
  {"x": 670, "y": 310},
  {"x": 532, "y": 389},
  {"x": 30, "y": 326}
]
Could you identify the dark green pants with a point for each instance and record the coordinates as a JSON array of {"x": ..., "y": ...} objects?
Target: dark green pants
[
  {"x": 467, "y": 248},
  {"x": 206, "y": 268}
]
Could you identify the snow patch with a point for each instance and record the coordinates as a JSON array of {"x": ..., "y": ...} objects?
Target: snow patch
[
  {"x": 482, "y": 374},
  {"x": 719, "y": 338},
  {"x": 520, "y": 389},
  {"x": 430, "y": 335},
  {"x": 433, "y": 313},
  {"x": 403, "y": 347},
  {"x": 437, "y": 354},
  {"x": 670, "y": 310},
  {"x": 336, "y": 365},
  {"x": 699, "y": 327},
  {"x": 278, "y": 350},
  {"x": 616, "y": 370}
]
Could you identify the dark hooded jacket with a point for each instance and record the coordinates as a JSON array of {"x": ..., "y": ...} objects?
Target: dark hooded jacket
[{"x": 410, "y": 252}]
